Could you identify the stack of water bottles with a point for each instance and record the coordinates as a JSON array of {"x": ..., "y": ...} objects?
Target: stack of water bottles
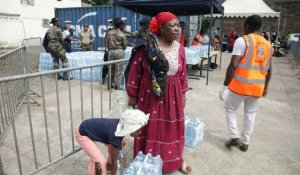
[
  {"x": 77, "y": 59},
  {"x": 194, "y": 131},
  {"x": 46, "y": 62},
  {"x": 145, "y": 165},
  {"x": 128, "y": 52},
  {"x": 195, "y": 52}
]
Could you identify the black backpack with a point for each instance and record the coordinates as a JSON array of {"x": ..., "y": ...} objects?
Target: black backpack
[{"x": 46, "y": 42}]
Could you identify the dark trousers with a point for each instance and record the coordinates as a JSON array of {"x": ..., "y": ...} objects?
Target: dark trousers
[
  {"x": 105, "y": 68},
  {"x": 68, "y": 46}
]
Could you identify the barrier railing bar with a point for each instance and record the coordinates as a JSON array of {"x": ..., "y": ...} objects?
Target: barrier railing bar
[
  {"x": 81, "y": 94},
  {"x": 109, "y": 85},
  {"x": 37, "y": 74},
  {"x": 45, "y": 118},
  {"x": 2, "y": 115},
  {"x": 101, "y": 98},
  {"x": 92, "y": 92},
  {"x": 55, "y": 161},
  {"x": 59, "y": 118},
  {"x": 71, "y": 112},
  {"x": 4, "y": 105},
  {"x": 11, "y": 51},
  {"x": 26, "y": 82},
  {"x": 15, "y": 134}
]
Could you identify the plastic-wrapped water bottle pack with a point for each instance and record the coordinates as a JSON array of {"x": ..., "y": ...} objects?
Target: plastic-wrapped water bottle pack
[
  {"x": 193, "y": 53},
  {"x": 145, "y": 165},
  {"x": 77, "y": 59},
  {"x": 194, "y": 131}
]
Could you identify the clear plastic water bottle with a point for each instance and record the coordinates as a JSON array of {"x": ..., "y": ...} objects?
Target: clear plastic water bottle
[
  {"x": 130, "y": 170},
  {"x": 138, "y": 161},
  {"x": 148, "y": 166},
  {"x": 121, "y": 162},
  {"x": 157, "y": 165}
]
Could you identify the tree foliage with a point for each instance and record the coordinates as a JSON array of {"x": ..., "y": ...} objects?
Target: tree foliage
[{"x": 103, "y": 2}]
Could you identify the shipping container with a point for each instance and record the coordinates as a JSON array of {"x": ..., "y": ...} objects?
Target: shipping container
[{"x": 97, "y": 18}]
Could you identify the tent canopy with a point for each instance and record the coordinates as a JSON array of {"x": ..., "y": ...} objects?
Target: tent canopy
[
  {"x": 179, "y": 8},
  {"x": 245, "y": 8}
]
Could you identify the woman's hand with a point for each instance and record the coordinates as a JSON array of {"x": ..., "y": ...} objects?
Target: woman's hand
[
  {"x": 132, "y": 101},
  {"x": 183, "y": 100}
]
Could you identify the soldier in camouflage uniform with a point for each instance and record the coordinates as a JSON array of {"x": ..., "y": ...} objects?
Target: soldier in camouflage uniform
[
  {"x": 116, "y": 44},
  {"x": 56, "y": 46}
]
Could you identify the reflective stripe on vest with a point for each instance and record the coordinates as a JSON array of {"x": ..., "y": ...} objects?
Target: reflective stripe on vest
[
  {"x": 250, "y": 81},
  {"x": 252, "y": 69},
  {"x": 249, "y": 56}
]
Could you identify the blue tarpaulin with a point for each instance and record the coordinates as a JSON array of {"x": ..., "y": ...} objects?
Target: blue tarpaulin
[{"x": 180, "y": 8}]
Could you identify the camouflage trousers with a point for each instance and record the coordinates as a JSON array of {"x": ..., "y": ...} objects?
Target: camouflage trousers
[
  {"x": 58, "y": 52},
  {"x": 116, "y": 69}
]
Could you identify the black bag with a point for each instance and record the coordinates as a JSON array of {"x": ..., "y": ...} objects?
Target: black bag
[{"x": 46, "y": 42}]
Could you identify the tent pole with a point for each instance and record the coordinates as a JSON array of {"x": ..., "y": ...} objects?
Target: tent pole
[
  {"x": 114, "y": 10},
  {"x": 276, "y": 47},
  {"x": 209, "y": 44},
  {"x": 221, "y": 40}
]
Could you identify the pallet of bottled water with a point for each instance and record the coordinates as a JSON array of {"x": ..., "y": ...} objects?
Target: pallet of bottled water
[
  {"x": 77, "y": 59},
  {"x": 193, "y": 54},
  {"x": 145, "y": 165},
  {"x": 194, "y": 131}
]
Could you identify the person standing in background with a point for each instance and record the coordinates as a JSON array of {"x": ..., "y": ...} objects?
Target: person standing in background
[
  {"x": 116, "y": 44},
  {"x": 85, "y": 38},
  {"x": 182, "y": 40},
  {"x": 247, "y": 79},
  {"x": 198, "y": 38},
  {"x": 217, "y": 32},
  {"x": 69, "y": 38},
  {"x": 56, "y": 47},
  {"x": 144, "y": 27},
  {"x": 105, "y": 68}
]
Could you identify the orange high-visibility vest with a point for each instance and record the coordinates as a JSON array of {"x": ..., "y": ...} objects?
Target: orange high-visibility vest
[
  {"x": 195, "y": 43},
  {"x": 252, "y": 69}
]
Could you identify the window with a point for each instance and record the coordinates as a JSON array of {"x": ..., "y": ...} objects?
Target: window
[
  {"x": 27, "y": 2},
  {"x": 45, "y": 23}
]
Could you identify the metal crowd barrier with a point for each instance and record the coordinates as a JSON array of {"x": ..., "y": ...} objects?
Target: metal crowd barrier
[
  {"x": 295, "y": 58},
  {"x": 44, "y": 135},
  {"x": 12, "y": 93},
  {"x": 34, "y": 47}
]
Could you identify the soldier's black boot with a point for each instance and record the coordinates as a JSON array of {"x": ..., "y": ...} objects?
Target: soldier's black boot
[
  {"x": 59, "y": 77},
  {"x": 66, "y": 76}
]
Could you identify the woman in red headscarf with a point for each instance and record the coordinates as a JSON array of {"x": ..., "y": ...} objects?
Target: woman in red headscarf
[{"x": 164, "y": 134}]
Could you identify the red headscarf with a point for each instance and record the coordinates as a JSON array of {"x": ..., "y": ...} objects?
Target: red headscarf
[{"x": 161, "y": 19}]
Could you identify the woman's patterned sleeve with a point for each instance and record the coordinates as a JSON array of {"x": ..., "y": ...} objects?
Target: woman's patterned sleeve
[{"x": 135, "y": 74}]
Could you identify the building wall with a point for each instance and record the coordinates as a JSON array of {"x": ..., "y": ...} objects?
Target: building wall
[
  {"x": 19, "y": 21},
  {"x": 290, "y": 15}
]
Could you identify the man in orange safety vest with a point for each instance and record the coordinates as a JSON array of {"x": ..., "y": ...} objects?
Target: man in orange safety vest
[{"x": 247, "y": 79}]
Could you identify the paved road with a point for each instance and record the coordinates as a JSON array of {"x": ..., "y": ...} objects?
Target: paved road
[{"x": 274, "y": 148}]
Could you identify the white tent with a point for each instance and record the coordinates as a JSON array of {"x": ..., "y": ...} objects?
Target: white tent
[{"x": 245, "y": 8}]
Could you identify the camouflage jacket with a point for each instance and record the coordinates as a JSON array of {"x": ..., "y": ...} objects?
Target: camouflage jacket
[
  {"x": 54, "y": 34},
  {"x": 116, "y": 39}
]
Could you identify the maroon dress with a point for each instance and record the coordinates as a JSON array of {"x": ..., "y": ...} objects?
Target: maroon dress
[{"x": 164, "y": 133}]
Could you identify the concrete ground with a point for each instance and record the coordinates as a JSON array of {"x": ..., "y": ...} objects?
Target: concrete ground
[{"x": 274, "y": 148}]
